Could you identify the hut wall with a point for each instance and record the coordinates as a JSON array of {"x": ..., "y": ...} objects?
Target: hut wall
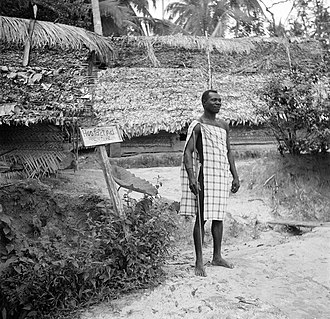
[
  {"x": 39, "y": 147},
  {"x": 154, "y": 143},
  {"x": 243, "y": 138},
  {"x": 33, "y": 137},
  {"x": 251, "y": 135}
]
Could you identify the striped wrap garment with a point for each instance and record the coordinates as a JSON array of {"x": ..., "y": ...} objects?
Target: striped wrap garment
[{"x": 216, "y": 174}]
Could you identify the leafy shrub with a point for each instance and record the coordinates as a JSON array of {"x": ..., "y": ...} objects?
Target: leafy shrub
[
  {"x": 58, "y": 271},
  {"x": 297, "y": 109}
]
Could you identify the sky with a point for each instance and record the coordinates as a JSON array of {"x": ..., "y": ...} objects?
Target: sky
[{"x": 281, "y": 9}]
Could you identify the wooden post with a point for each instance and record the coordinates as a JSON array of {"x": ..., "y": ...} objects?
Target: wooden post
[
  {"x": 209, "y": 63},
  {"x": 111, "y": 184},
  {"x": 100, "y": 136},
  {"x": 27, "y": 46}
]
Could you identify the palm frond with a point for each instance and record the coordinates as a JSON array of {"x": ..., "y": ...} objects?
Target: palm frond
[
  {"x": 35, "y": 163},
  {"x": 162, "y": 27},
  {"x": 119, "y": 14},
  {"x": 15, "y": 31}
]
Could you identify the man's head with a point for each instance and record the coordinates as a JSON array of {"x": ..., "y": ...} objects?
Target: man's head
[
  {"x": 206, "y": 95},
  {"x": 211, "y": 101}
]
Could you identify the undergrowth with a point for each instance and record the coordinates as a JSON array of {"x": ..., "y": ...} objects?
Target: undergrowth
[
  {"x": 298, "y": 186},
  {"x": 55, "y": 270}
]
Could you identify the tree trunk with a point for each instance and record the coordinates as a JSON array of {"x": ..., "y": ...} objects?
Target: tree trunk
[
  {"x": 97, "y": 17},
  {"x": 27, "y": 46}
]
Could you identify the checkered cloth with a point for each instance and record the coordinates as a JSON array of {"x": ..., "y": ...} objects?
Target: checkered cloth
[{"x": 216, "y": 174}]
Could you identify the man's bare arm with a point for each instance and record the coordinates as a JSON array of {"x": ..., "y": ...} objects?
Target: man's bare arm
[
  {"x": 188, "y": 160},
  {"x": 235, "y": 184}
]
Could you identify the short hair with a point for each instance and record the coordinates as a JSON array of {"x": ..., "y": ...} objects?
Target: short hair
[{"x": 206, "y": 95}]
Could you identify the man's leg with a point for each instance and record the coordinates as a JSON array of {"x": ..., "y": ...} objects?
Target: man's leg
[
  {"x": 217, "y": 231},
  {"x": 198, "y": 240},
  {"x": 198, "y": 233}
]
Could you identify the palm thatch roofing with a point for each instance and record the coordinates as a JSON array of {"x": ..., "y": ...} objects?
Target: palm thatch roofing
[
  {"x": 188, "y": 42},
  {"x": 143, "y": 99},
  {"x": 54, "y": 88},
  {"x": 239, "y": 55},
  {"x": 53, "y": 35}
]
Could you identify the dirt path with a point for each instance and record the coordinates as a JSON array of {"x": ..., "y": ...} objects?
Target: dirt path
[{"x": 276, "y": 275}]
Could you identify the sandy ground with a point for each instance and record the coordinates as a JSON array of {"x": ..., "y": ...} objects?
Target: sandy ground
[
  {"x": 276, "y": 274},
  {"x": 279, "y": 279}
]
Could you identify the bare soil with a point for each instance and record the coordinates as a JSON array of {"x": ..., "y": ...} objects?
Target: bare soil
[{"x": 277, "y": 274}]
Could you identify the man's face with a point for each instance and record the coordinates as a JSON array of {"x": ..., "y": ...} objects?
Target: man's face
[{"x": 213, "y": 103}]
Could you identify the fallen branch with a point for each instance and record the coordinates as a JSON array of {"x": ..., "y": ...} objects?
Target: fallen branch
[{"x": 299, "y": 223}]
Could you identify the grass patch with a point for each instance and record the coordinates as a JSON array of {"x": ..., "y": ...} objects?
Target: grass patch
[{"x": 298, "y": 186}]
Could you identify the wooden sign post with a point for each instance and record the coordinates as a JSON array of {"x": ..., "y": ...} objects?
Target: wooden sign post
[{"x": 99, "y": 136}]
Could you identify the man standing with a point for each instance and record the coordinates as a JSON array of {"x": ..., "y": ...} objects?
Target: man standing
[{"x": 207, "y": 161}]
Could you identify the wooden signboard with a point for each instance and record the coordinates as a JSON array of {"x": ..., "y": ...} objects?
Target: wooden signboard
[{"x": 101, "y": 136}]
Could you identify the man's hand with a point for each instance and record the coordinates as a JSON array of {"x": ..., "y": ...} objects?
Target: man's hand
[
  {"x": 235, "y": 185},
  {"x": 193, "y": 185}
]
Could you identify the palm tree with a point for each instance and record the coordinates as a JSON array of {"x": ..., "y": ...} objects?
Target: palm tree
[
  {"x": 211, "y": 16},
  {"x": 246, "y": 11},
  {"x": 117, "y": 16},
  {"x": 120, "y": 16},
  {"x": 193, "y": 16}
]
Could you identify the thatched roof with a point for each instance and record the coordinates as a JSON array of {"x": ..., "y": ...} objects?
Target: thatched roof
[
  {"x": 222, "y": 45},
  {"x": 261, "y": 55},
  {"x": 53, "y": 35},
  {"x": 53, "y": 89},
  {"x": 145, "y": 101},
  {"x": 141, "y": 98}
]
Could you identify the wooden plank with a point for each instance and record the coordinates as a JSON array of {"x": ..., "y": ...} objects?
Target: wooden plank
[
  {"x": 111, "y": 184},
  {"x": 299, "y": 223}
]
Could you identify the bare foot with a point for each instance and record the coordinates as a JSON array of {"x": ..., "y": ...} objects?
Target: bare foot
[
  {"x": 222, "y": 262},
  {"x": 200, "y": 270}
]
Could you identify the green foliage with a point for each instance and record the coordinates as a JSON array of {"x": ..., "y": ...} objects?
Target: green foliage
[
  {"x": 58, "y": 270},
  {"x": 298, "y": 186},
  {"x": 205, "y": 16},
  {"x": 252, "y": 27},
  {"x": 72, "y": 12},
  {"x": 118, "y": 17},
  {"x": 297, "y": 109},
  {"x": 312, "y": 19}
]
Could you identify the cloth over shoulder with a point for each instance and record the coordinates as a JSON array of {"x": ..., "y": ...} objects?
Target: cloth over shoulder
[{"x": 216, "y": 174}]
